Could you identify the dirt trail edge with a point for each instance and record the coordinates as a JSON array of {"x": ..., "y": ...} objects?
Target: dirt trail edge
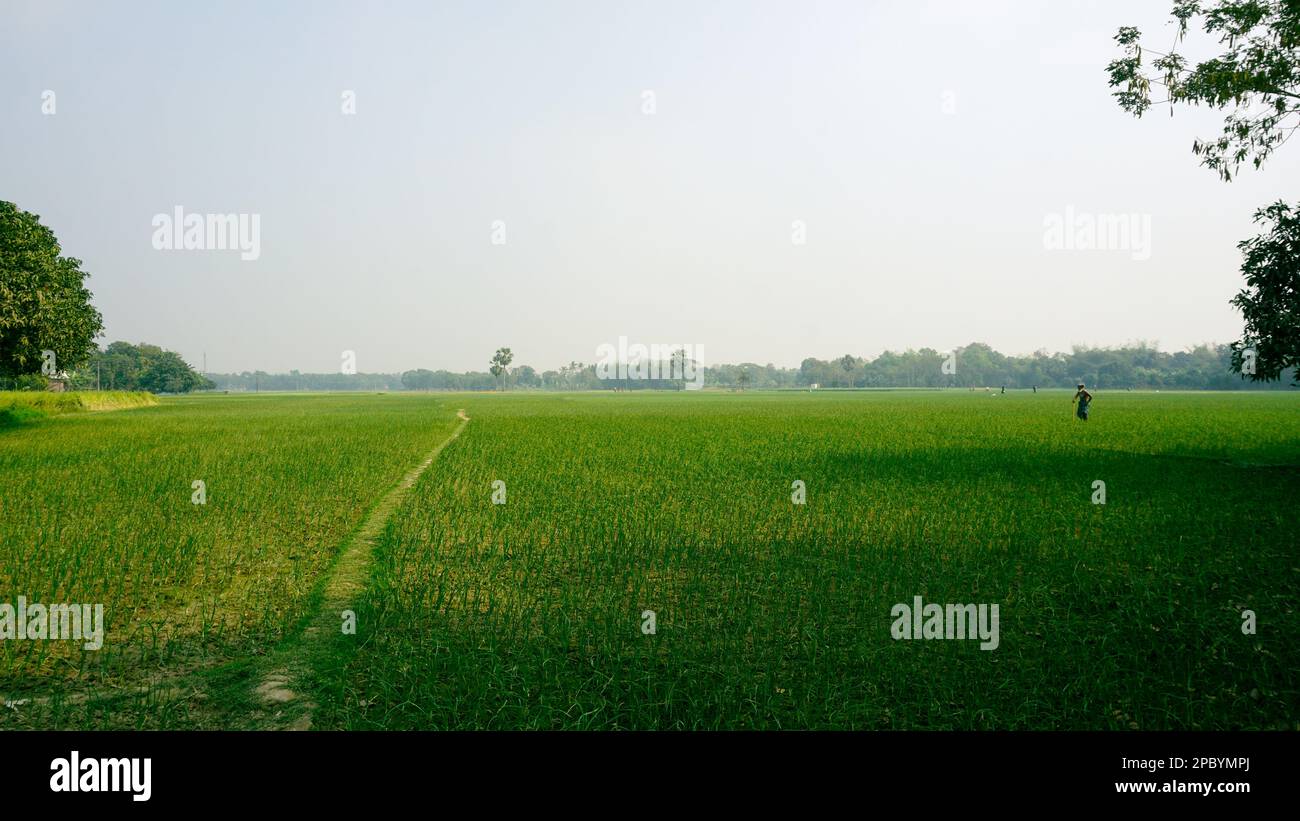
[{"x": 289, "y": 663}]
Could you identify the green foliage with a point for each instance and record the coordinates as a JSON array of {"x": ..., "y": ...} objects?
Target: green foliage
[
  {"x": 44, "y": 304},
  {"x": 73, "y": 401},
  {"x": 142, "y": 367},
  {"x": 501, "y": 364},
  {"x": 1270, "y": 302},
  {"x": 27, "y": 382},
  {"x": 254, "y": 381},
  {"x": 978, "y": 365},
  {"x": 425, "y": 380},
  {"x": 1132, "y": 366},
  {"x": 525, "y": 376},
  {"x": 13, "y": 417},
  {"x": 1257, "y": 76},
  {"x": 25, "y": 407}
]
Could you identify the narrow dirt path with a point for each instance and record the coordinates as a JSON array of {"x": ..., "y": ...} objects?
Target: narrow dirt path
[
  {"x": 272, "y": 702},
  {"x": 293, "y": 660}
]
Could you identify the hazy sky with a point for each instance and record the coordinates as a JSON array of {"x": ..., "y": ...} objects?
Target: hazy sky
[{"x": 923, "y": 146}]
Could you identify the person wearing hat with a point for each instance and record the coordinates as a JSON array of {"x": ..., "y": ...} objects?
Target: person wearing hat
[{"x": 1083, "y": 399}]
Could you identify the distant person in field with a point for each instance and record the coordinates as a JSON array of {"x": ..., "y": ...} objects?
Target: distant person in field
[{"x": 1082, "y": 399}]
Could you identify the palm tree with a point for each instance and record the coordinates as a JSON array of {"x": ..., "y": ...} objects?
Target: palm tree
[{"x": 500, "y": 365}]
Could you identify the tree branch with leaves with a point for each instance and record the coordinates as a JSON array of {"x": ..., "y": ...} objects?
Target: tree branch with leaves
[
  {"x": 1256, "y": 77},
  {"x": 1257, "y": 80}
]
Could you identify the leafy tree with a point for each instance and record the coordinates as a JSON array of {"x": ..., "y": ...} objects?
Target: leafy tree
[
  {"x": 168, "y": 373},
  {"x": 418, "y": 380},
  {"x": 1257, "y": 76},
  {"x": 143, "y": 367},
  {"x": 501, "y": 365},
  {"x": 569, "y": 372},
  {"x": 677, "y": 364},
  {"x": 44, "y": 304},
  {"x": 526, "y": 376},
  {"x": 1270, "y": 302}
]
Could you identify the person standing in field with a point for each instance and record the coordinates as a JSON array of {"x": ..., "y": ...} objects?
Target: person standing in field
[{"x": 1082, "y": 400}]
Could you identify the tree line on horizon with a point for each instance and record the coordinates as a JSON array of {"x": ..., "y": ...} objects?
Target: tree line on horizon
[
  {"x": 1138, "y": 366},
  {"x": 146, "y": 367}
]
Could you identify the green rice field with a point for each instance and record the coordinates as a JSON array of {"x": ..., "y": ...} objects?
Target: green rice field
[{"x": 650, "y": 567}]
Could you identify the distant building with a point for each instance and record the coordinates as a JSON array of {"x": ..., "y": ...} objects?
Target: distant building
[{"x": 58, "y": 383}]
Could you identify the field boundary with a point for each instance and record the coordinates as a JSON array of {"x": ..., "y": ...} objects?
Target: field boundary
[
  {"x": 22, "y": 407},
  {"x": 279, "y": 688}
]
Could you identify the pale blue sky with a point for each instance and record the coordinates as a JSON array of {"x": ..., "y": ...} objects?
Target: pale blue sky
[{"x": 924, "y": 224}]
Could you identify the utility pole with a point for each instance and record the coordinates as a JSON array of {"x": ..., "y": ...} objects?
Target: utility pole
[{"x": 97, "y": 364}]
